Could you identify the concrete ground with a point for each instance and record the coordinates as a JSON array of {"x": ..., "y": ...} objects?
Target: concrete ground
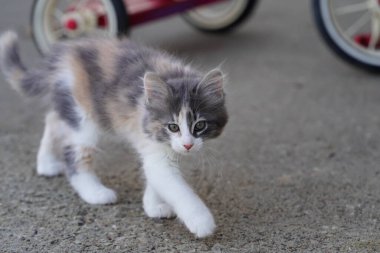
[{"x": 297, "y": 169}]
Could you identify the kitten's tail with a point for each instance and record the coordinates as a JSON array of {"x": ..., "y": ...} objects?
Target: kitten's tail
[{"x": 28, "y": 83}]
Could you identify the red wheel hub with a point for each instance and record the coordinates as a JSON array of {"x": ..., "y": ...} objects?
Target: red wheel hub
[
  {"x": 71, "y": 24},
  {"x": 364, "y": 40},
  {"x": 85, "y": 18},
  {"x": 103, "y": 22}
]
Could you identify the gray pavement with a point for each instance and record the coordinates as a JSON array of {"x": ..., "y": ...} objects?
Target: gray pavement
[{"x": 297, "y": 169}]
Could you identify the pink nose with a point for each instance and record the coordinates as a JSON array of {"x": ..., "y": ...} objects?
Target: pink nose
[{"x": 188, "y": 146}]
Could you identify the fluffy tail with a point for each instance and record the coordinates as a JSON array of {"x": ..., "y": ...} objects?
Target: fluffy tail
[{"x": 28, "y": 83}]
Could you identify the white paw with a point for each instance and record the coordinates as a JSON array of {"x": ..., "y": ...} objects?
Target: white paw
[
  {"x": 201, "y": 224},
  {"x": 100, "y": 196},
  {"x": 50, "y": 168},
  {"x": 161, "y": 210},
  {"x": 91, "y": 190}
]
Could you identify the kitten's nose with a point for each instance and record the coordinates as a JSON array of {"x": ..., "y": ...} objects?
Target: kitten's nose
[{"x": 188, "y": 146}]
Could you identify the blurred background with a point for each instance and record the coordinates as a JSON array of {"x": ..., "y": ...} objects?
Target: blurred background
[{"x": 296, "y": 169}]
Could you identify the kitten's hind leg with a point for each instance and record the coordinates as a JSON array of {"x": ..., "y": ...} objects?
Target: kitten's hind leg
[
  {"x": 49, "y": 161},
  {"x": 78, "y": 157},
  {"x": 154, "y": 206}
]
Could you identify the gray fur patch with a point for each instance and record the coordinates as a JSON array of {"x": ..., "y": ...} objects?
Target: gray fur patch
[
  {"x": 162, "y": 135},
  {"x": 150, "y": 127},
  {"x": 54, "y": 56},
  {"x": 33, "y": 84},
  {"x": 69, "y": 158},
  {"x": 99, "y": 87},
  {"x": 190, "y": 118},
  {"x": 128, "y": 78},
  {"x": 65, "y": 105},
  {"x": 216, "y": 118},
  {"x": 213, "y": 111},
  {"x": 131, "y": 67},
  {"x": 30, "y": 83},
  {"x": 12, "y": 58}
]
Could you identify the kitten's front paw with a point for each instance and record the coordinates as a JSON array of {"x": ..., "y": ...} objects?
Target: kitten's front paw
[
  {"x": 201, "y": 224},
  {"x": 100, "y": 196},
  {"x": 161, "y": 210}
]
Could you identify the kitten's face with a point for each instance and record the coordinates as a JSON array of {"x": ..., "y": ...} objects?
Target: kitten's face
[
  {"x": 185, "y": 111},
  {"x": 185, "y": 131}
]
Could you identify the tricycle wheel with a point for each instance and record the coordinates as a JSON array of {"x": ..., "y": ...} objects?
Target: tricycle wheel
[
  {"x": 54, "y": 20},
  {"x": 220, "y": 17},
  {"x": 351, "y": 28}
]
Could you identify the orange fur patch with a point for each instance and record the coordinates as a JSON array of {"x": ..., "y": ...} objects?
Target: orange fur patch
[{"x": 81, "y": 86}]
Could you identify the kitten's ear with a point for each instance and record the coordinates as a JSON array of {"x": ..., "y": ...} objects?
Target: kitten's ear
[
  {"x": 212, "y": 84},
  {"x": 154, "y": 87}
]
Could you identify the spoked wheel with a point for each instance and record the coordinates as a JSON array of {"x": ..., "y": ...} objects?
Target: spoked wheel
[
  {"x": 352, "y": 29},
  {"x": 220, "y": 17},
  {"x": 56, "y": 20}
]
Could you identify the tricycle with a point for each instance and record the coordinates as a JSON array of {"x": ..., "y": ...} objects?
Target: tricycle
[
  {"x": 351, "y": 28},
  {"x": 55, "y": 20}
]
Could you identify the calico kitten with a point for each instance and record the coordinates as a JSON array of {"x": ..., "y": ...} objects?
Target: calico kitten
[{"x": 146, "y": 97}]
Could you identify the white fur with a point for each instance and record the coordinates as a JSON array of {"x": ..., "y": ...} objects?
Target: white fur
[
  {"x": 88, "y": 135},
  {"x": 48, "y": 162},
  {"x": 167, "y": 191},
  {"x": 91, "y": 190},
  {"x": 66, "y": 74},
  {"x": 7, "y": 39},
  {"x": 85, "y": 183},
  {"x": 165, "y": 179},
  {"x": 154, "y": 206},
  {"x": 184, "y": 136}
]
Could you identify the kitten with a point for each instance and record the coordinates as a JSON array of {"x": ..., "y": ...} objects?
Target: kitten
[{"x": 146, "y": 97}]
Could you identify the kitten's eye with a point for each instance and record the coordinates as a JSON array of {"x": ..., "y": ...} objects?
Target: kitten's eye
[
  {"x": 199, "y": 126},
  {"x": 173, "y": 128}
]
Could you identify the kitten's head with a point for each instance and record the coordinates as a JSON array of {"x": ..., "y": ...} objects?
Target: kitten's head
[{"x": 185, "y": 109}]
